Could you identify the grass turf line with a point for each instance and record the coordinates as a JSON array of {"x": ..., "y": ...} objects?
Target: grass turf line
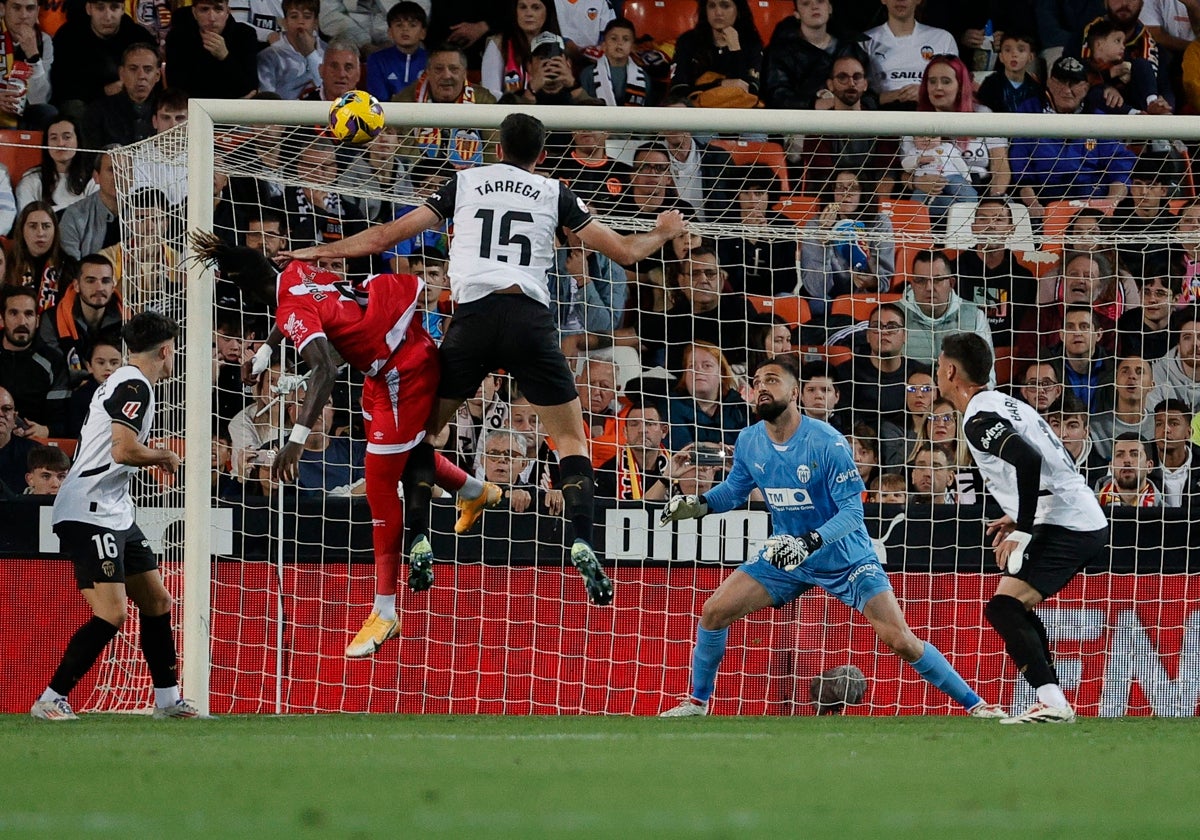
[{"x": 477, "y": 776}]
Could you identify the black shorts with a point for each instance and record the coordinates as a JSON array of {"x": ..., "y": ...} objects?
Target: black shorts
[
  {"x": 510, "y": 332},
  {"x": 1056, "y": 554},
  {"x": 102, "y": 555}
]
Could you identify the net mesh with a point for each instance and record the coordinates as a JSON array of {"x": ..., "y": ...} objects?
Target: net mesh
[{"x": 795, "y": 242}]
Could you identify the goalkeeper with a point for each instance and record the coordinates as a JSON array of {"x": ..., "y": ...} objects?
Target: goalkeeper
[{"x": 805, "y": 471}]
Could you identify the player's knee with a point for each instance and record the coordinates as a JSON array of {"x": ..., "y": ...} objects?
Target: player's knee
[
  {"x": 1003, "y": 612},
  {"x": 902, "y": 642},
  {"x": 114, "y": 613},
  {"x": 717, "y": 614},
  {"x": 159, "y": 603}
]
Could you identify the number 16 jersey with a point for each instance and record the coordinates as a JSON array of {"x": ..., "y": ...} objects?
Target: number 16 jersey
[{"x": 505, "y": 223}]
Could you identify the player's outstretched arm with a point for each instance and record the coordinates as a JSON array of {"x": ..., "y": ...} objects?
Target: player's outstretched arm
[
  {"x": 374, "y": 240},
  {"x": 129, "y": 451},
  {"x": 627, "y": 249},
  {"x": 318, "y": 356}
]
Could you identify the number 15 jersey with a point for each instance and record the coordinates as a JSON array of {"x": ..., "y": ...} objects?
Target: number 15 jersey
[{"x": 505, "y": 223}]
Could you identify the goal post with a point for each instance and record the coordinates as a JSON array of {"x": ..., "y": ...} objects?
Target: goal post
[{"x": 510, "y": 632}]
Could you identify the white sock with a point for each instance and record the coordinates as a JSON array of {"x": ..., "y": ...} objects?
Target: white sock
[
  {"x": 50, "y": 694},
  {"x": 385, "y": 605},
  {"x": 165, "y": 698},
  {"x": 1052, "y": 695},
  {"x": 473, "y": 489}
]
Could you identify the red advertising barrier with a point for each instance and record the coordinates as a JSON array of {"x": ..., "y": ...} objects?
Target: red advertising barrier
[{"x": 492, "y": 639}]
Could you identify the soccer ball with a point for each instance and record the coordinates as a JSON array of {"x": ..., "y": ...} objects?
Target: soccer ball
[
  {"x": 837, "y": 688},
  {"x": 355, "y": 117}
]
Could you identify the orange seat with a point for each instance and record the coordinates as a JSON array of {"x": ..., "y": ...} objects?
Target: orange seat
[
  {"x": 791, "y": 308},
  {"x": 20, "y": 150},
  {"x": 835, "y": 354},
  {"x": 1004, "y": 365},
  {"x": 764, "y": 152},
  {"x": 664, "y": 20},
  {"x": 799, "y": 208},
  {"x": 910, "y": 221},
  {"x": 65, "y": 444},
  {"x": 768, "y": 13},
  {"x": 1058, "y": 218},
  {"x": 860, "y": 306}
]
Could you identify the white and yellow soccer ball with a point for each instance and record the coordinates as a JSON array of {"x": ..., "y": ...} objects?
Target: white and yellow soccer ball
[{"x": 355, "y": 117}]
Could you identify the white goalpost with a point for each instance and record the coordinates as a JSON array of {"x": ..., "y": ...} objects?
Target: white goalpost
[{"x": 271, "y": 586}]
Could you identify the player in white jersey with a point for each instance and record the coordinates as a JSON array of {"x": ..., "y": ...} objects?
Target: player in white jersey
[
  {"x": 506, "y": 219},
  {"x": 1052, "y": 525},
  {"x": 94, "y": 521}
]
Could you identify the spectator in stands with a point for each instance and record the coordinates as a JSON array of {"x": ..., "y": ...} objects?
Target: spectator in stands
[
  {"x": 488, "y": 409},
  {"x": 768, "y": 338},
  {"x": 888, "y": 489},
  {"x": 34, "y": 375},
  {"x": 820, "y": 395},
  {"x": 900, "y": 49},
  {"x": 291, "y": 65},
  {"x": 864, "y": 444},
  {"x": 874, "y": 383},
  {"x": 1084, "y": 367},
  {"x": 943, "y": 429},
  {"x": 1084, "y": 278},
  {"x": 64, "y": 175},
  {"x": 848, "y": 247},
  {"x": 363, "y": 24},
  {"x": 1130, "y": 412},
  {"x": 105, "y": 358},
  {"x": 1059, "y": 23},
  {"x": 1070, "y": 421},
  {"x": 267, "y": 232},
  {"x": 508, "y": 54},
  {"x": 1177, "y": 374},
  {"x": 393, "y": 68},
  {"x": 319, "y": 214},
  {"x": 700, "y": 172},
  {"x": 47, "y": 467},
  {"x": 38, "y": 260},
  {"x": 642, "y": 468},
  {"x": 930, "y": 477},
  {"x": 1143, "y": 330},
  {"x": 256, "y": 431},
  {"x": 551, "y": 78},
  {"x": 705, "y": 405},
  {"x": 445, "y": 80},
  {"x": 946, "y": 87},
  {"x": 1187, "y": 233},
  {"x": 1051, "y": 169},
  {"x": 759, "y": 263},
  {"x": 210, "y": 55},
  {"x": 1145, "y": 211},
  {"x": 586, "y": 168},
  {"x": 896, "y": 442},
  {"x": 584, "y": 24},
  {"x": 718, "y": 63},
  {"x": 5, "y": 260},
  {"x": 464, "y": 26},
  {"x": 125, "y": 116},
  {"x": 14, "y": 447},
  {"x": 1014, "y": 82},
  {"x": 339, "y": 71},
  {"x": 89, "y": 307},
  {"x": 91, "y": 224},
  {"x": 148, "y": 270},
  {"x": 615, "y": 78},
  {"x": 88, "y": 54},
  {"x": 1041, "y": 386},
  {"x": 1172, "y": 25},
  {"x": 871, "y": 158},
  {"x": 652, "y": 188},
  {"x": 1118, "y": 85},
  {"x": 504, "y": 459},
  {"x": 990, "y": 275},
  {"x": 701, "y": 314},
  {"x": 932, "y": 308},
  {"x": 1123, "y": 14},
  {"x": 800, "y": 57},
  {"x": 596, "y": 383},
  {"x": 930, "y": 160},
  {"x": 29, "y": 54},
  {"x": 1129, "y": 483},
  {"x": 590, "y": 292},
  {"x": 1178, "y": 458},
  {"x": 330, "y": 464},
  {"x": 1117, "y": 288}
]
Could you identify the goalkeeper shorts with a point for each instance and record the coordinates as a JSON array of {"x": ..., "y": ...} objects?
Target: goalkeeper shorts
[{"x": 853, "y": 585}]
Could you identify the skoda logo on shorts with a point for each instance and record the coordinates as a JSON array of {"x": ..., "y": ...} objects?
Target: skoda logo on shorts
[
  {"x": 109, "y": 568},
  {"x": 803, "y": 474}
]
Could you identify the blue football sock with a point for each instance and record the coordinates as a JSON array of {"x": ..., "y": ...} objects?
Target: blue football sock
[
  {"x": 939, "y": 673},
  {"x": 706, "y": 658}
]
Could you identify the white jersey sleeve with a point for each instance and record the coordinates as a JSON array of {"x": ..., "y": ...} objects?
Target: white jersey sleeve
[
  {"x": 1064, "y": 499},
  {"x": 506, "y": 221},
  {"x": 96, "y": 490}
]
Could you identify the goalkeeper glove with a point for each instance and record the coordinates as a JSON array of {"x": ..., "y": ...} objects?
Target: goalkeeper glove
[
  {"x": 787, "y": 552},
  {"x": 683, "y": 507}
]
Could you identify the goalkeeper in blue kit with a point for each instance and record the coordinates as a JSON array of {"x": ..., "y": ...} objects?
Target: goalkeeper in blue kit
[{"x": 806, "y": 472}]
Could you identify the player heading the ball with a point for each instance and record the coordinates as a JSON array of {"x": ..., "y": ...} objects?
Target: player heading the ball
[
  {"x": 804, "y": 469},
  {"x": 506, "y": 219}
]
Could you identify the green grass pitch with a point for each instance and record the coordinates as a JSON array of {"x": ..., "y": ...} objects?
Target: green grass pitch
[{"x": 380, "y": 776}]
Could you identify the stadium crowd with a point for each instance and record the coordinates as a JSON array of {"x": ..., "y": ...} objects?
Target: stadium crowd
[{"x": 856, "y": 253}]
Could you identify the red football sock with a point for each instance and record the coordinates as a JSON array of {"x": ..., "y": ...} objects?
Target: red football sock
[
  {"x": 387, "y": 515},
  {"x": 447, "y": 474}
]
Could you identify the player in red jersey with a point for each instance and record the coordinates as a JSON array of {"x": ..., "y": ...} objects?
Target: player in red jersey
[{"x": 374, "y": 327}]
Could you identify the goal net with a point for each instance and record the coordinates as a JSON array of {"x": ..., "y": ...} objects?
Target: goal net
[{"x": 803, "y": 225}]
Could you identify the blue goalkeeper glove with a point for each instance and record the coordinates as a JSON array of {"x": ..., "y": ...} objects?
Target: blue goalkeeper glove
[{"x": 787, "y": 552}]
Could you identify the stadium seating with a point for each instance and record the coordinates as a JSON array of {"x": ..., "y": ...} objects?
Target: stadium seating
[
  {"x": 791, "y": 308},
  {"x": 768, "y": 13},
  {"x": 19, "y": 151},
  {"x": 836, "y": 354},
  {"x": 664, "y": 20},
  {"x": 750, "y": 152},
  {"x": 858, "y": 307},
  {"x": 799, "y": 208}
]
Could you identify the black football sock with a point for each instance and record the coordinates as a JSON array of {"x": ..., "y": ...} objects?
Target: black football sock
[
  {"x": 81, "y": 654},
  {"x": 418, "y": 481},
  {"x": 1021, "y": 640},
  {"x": 158, "y": 647},
  {"x": 578, "y": 489}
]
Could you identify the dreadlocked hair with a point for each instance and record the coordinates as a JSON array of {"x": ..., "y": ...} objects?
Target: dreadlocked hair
[{"x": 236, "y": 263}]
